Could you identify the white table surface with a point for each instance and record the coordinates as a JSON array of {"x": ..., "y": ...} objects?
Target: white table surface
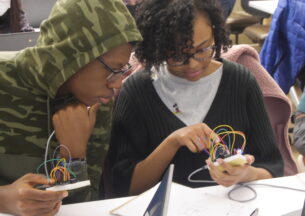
[
  {"x": 265, "y": 6},
  {"x": 270, "y": 201}
]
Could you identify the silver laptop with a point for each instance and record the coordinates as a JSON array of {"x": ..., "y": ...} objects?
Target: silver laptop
[{"x": 158, "y": 205}]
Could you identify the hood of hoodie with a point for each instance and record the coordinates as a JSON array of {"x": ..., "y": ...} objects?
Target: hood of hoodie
[{"x": 75, "y": 33}]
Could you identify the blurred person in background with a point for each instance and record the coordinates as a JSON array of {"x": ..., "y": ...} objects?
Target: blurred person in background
[{"x": 14, "y": 18}]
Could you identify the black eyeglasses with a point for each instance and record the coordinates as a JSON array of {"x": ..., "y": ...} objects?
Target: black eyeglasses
[
  {"x": 115, "y": 74},
  {"x": 200, "y": 55}
]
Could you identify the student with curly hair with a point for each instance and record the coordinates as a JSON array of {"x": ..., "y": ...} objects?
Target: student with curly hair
[{"x": 164, "y": 113}]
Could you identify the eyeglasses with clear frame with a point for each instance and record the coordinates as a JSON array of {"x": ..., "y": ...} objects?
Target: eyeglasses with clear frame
[
  {"x": 115, "y": 74},
  {"x": 200, "y": 55}
]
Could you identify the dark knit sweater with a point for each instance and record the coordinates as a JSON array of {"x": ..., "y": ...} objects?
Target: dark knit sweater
[{"x": 141, "y": 121}]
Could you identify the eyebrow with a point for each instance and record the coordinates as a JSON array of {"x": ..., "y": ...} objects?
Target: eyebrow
[
  {"x": 116, "y": 65},
  {"x": 202, "y": 43}
]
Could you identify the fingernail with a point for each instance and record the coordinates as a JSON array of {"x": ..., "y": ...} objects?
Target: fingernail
[
  {"x": 65, "y": 194},
  {"x": 220, "y": 161}
]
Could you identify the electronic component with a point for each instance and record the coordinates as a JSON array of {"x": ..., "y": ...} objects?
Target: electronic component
[
  {"x": 234, "y": 160},
  {"x": 224, "y": 143},
  {"x": 61, "y": 172},
  {"x": 68, "y": 186},
  {"x": 222, "y": 152}
]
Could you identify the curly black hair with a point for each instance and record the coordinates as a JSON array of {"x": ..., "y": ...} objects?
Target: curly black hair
[{"x": 167, "y": 28}]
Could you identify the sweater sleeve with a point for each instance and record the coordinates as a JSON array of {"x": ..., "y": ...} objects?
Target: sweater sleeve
[
  {"x": 261, "y": 141},
  {"x": 128, "y": 139}
]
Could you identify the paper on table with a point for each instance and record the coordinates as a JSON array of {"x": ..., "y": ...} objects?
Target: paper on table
[
  {"x": 185, "y": 201},
  {"x": 198, "y": 204}
]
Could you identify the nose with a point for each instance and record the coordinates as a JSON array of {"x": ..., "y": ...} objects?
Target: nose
[
  {"x": 192, "y": 63},
  {"x": 116, "y": 83}
]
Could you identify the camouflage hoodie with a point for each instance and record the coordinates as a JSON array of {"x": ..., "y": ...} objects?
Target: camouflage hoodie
[{"x": 76, "y": 32}]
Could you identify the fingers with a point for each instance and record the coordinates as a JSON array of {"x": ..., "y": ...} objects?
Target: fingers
[
  {"x": 250, "y": 159},
  {"x": 28, "y": 207},
  {"x": 207, "y": 130},
  {"x": 199, "y": 142},
  {"x": 75, "y": 111},
  {"x": 71, "y": 108},
  {"x": 73, "y": 129},
  {"x": 227, "y": 167},
  {"x": 54, "y": 211},
  {"x": 50, "y": 210},
  {"x": 41, "y": 203},
  {"x": 203, "y": 135},
  {"x": 92, "y": 112},
  {"x": 221, "y": 177},
  {"x": 34, "y": 179},
  {"x": 193, "y": 147},
  {"x": 195, "y": 137},
  {"x": 209, "y": 133},
  {"x": 40, "y": 195},
  {"x": 228, "y": 174},
  {"x": 27, "y": 200}
]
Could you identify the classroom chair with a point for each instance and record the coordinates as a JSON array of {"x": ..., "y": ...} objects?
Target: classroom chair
[
  {"x": 249, "y": 21},
  {"x": 238, "y": 21},
  {"x": 256, "y": 32}
]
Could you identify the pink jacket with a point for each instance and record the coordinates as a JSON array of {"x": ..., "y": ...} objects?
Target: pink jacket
[{"x": 277, "y": 104}]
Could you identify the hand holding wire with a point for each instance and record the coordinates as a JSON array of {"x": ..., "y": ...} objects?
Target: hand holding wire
[
  {"x": 229, "y": 175},
  {"x": 194, "y": 137},
  {"x": 23, "y": 199},
  {"x": 222, "y": 143}
]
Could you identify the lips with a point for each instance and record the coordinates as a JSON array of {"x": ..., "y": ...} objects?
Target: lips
[
  {"x": 193, "y": 74},
  {"x": 104, "y": 100}
]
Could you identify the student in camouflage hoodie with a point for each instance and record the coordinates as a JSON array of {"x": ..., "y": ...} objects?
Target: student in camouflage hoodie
[{"x": 78, "y": 61}]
